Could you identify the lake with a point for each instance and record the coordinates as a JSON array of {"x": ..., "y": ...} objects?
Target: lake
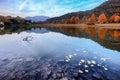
[{"x": 64, "y": 53}]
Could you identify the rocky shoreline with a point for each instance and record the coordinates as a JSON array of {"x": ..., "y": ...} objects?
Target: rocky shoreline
[{"x": 49, "y": 68}]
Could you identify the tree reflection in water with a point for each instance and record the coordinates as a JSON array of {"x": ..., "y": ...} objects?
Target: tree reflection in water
[{"x": 109, "y": 38}]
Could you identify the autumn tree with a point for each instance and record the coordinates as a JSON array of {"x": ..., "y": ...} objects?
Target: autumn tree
[
  {"x": 77, "y": 19},
  {"x": 102, "y": 18},
  {"x": 92, "y": 19},
  {"x": 112, "y": 18},
  {"x": 66, "y": 21},
  {"x": 117, "y": 19},
  {"x": 84, "y": 19},
  {"x": 72, "y": 20}
]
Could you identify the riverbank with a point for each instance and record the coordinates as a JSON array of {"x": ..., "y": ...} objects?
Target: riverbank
[{"x": 113, "y": 26}]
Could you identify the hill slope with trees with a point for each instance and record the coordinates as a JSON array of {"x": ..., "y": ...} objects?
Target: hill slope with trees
[{"x": 110, "y": 7}]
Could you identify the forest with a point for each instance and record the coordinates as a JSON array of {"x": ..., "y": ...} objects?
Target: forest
[{"x": 93, "y": 19}]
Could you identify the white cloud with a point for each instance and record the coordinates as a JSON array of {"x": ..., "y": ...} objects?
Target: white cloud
[
  {"x": 50, "y": 8},
  {"x": 23, "y": 4}
]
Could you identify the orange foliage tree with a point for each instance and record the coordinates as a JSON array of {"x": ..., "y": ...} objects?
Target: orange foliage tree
[
  {"x": 102, "y": 18},
  {"x": 72, "y": 20},
  {"x": 117, "y": 19},
  {"x": 112, "y": 18},
  {"x": 92, "y": 19},
  {"x": 66, "y": 21},
  {"x": 84, "y": 19},
  {"x": 77, "y": 19}
]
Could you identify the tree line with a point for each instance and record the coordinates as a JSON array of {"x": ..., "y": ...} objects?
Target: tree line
[
  {"x": 8, "y": 20},
  {"x": 101, "y": 19}
]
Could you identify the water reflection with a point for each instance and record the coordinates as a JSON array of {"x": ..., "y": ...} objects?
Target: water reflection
[
  {"x": 109, "y": 38},
  {"x": 59, "y": 53}
]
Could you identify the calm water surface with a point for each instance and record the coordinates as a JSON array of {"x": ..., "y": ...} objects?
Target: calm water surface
[{"x": 60, "y": 54}]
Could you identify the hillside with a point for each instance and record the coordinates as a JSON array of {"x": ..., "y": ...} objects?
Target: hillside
[{"x": 109, "y": 7}]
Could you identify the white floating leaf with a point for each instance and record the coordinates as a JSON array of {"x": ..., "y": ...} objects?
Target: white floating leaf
[
  {"x": 103, "y": 59},
  {"x": 82, "y": 61},
  {"x": 105, "y": 68},
  {"x": 67, "y": 60},
  {"x": 80, "y": 71},
  {"x": 89, "y": 62},
  {"x": 92, "y": 65},
  {"x": 75, "y": 54},
  {"x": 79, "y": 64},
  {"x": 93, "y": 61},
  {"x": 86, "y": 66},
  {"x": 70, "y": 56},
  {"x": 86, "y": 71}
]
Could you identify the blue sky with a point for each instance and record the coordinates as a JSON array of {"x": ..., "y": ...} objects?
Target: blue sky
[{"x": 50, "y": 8}]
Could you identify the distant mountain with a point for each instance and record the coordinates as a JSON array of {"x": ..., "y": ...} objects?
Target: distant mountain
[
  {"x": 37, "y": 18},
  {"x": 109, "y": 7}
]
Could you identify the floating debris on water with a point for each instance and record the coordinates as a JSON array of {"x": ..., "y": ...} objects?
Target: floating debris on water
[
  {"x": 103, "y": 59},
  {"x": 82, "y": 61},
  {"x": 79, "y": 64},
  {"x": 92, "y": 65},
  {"x": 70, "y": 56},
  {"x": 67, "y": 60},
  {"x": 93, "y": 61},
  {"x": 80, "y": 71},
  {"x": 86, "y": 66},
  {"x": 75, "y": 54},
  {"x": 85, "y": 63},
  {"x": 89, "y": 62},
  {"x": 86, "y": 71},
  {"x": 105, "y": 68}
]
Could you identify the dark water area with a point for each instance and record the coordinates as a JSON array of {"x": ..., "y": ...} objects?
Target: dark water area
[{"x": 59, "y": 53}]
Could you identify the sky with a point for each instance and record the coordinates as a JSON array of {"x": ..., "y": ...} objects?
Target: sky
[{"x": 51, "y": 8}]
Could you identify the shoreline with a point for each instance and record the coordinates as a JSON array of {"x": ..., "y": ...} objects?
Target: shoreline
[{"x": 113, "y": 26}]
